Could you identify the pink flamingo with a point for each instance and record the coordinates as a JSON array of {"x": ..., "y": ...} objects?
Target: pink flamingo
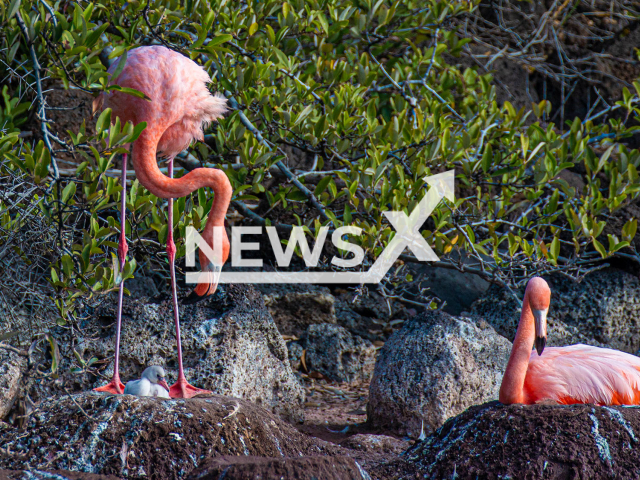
[
  {"x": 180, "y": 104},
  {"x": 564, "y": 375}
]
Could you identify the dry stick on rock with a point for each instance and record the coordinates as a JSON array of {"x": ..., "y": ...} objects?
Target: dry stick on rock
[{"x": 9, "y": 348}]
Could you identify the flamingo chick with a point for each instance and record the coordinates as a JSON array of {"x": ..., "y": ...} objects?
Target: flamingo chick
[
  {"x": 152, "y": 384},
  {"x": 178, "y": 103},
  {"x": 564, "y": 375}
]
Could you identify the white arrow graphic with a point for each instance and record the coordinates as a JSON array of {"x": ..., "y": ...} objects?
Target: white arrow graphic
[{"x": 407, "y": 235}]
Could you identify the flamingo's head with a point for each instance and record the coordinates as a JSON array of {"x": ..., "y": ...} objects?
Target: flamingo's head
[{"x": 539, "y": 296}]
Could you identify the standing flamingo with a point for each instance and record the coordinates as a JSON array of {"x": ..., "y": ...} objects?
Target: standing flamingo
[
  {"x": 179, "y": 105},
  {"x": 565, "y": 375}
]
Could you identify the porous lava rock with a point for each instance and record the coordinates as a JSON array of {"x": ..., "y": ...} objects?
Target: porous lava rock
[
  {"x": 337, "y": 354},
  {"x": 230, "y": 344},
  {"x": 12, "y": 367},
  {"x": 146, "y": 437},
  {"x": 291, "y": 468},
  {"x": 434, "y": 368},
  {"x": 601, "y": 310},
  {"x": 556, "y": 442},
  {"x": 295, "y": 307},
  {"x": 35, "y": 474}
]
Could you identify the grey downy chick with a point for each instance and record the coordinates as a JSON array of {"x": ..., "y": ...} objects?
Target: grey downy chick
[{"x": 152, "y": 384}]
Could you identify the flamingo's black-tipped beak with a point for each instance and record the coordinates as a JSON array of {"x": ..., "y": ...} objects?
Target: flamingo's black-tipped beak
[
  {"x": 540, "y": 323},
  {"x": 206, "y": 288}
]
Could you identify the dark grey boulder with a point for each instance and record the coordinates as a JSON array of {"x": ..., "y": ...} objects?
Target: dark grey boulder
[{"x": 340, "y": 356}]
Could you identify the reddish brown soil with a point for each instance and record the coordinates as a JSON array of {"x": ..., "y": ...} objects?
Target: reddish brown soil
[
  {"x": 300, "y": 468},
  {"x": 334, "y": 411},
  {"x": 145, "y": 437}
]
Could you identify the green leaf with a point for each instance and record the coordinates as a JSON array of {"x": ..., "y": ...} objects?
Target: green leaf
[
  {"x": 68, "y": 192},
  {"x": 13, "y": 8},
  {"x": 600, "y": 248},
  {"x": 322, "y": 185},
  {"x": 55, "y": 353},
  {"x": 220, "y": 39},
  {"x": 121, "y": 63},
  {"x": 253, "y": 28},
  {"x": 129, "y": 91},
  {"x": 554, "y": 249},
  {"x": 323, "y": 21},
  {"x": 487, "y": 158},
  {"x": 104, "y": 121},
  {"x": 137, "y": 130},
  {"x": 308, "y": 109},
  {"x": 605, "y": 156}
]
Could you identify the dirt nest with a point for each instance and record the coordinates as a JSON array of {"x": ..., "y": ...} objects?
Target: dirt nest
[
  {"x": 55, "y": 475},
  {"x": 528, "y": 442},
  {"x": 299, "y": 468},
  {"x": 139, "y": 437}
]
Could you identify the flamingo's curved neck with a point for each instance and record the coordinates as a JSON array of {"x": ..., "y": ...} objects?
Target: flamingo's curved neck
[
  {"x": 512, "y": 388},
  {"x": 149, "y": 175}
]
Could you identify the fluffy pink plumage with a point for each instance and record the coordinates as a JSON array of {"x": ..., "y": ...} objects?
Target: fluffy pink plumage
[
  {"x": 180, "y": 101},
  {"x": 565, "y": 375},
  {"x": 583, "y": 374}
]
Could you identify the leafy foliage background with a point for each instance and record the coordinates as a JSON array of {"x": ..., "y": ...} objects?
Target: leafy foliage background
[{"x": 340, "y": 108}]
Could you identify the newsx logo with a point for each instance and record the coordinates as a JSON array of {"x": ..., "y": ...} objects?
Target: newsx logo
[{"x": 407, "y": 235}]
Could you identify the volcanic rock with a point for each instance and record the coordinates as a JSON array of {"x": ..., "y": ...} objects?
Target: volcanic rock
[
  {"x": 35, "y": 474},
  {"x": 337, "y": 354},
  {"x": 434, "y": 368},
  {"x": 294, "y": 310},
  {"x": 375, "y": 443},
  {"x": 11, "y": 369}
]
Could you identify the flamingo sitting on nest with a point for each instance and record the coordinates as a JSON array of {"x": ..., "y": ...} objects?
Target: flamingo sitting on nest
[
  {"x": 564, "y": 375},
  {"x": 179, "y": 105}
]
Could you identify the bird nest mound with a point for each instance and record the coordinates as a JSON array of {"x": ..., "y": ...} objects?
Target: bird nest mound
[
  {"x": 530, "y": 442},
  {"x": 136, "y": 437}
]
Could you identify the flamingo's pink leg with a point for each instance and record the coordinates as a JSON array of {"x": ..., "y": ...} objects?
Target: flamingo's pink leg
[
  {"x": 180, "y": 389},
  {"x": 115, "y": 385}
]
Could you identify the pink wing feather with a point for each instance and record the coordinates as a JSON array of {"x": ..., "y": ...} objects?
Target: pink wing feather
[{"x": 583, "y": 374}]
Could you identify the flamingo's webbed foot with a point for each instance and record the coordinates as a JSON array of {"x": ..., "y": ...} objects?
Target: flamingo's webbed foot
[
  {"x": 115, "y": 386},
  {"x": 182, "y": 389}
]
